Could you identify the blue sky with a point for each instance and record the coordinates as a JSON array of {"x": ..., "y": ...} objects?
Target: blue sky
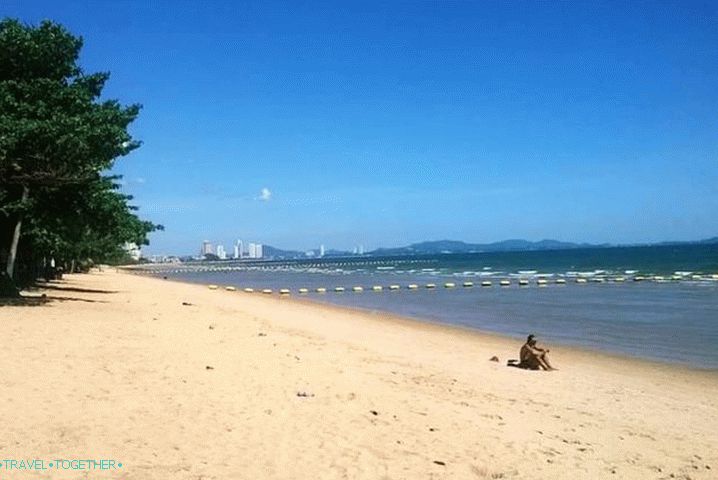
[{"x": 388, "y": 123}]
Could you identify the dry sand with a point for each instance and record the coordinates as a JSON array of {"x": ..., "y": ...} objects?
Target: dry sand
[{"x": 114, "y": 366}]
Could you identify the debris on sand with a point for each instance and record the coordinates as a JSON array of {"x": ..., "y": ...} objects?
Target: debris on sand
[
  {"x": 494, "y": 359},
  {"x": 187, "y": 304},
  {"x": 209, "y": 367},
  {"x": 304, "y": 394}
]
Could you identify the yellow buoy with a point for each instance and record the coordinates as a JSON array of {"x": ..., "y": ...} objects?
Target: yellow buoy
[
  {"x": 560, "y": 281},
  {"x": 249, "y": 290},
  {"x": 358, "y": 289},
  {"x": 580, "y": 280},
  {"x": 212, "y": 287},
  {"x": 230, "y": 288},
  {"x": 377, "y": 288},
  {"x": 638, "y": 279},
  {"x": 523, "y": 281},
  {"x": 619, "y": 279},
  {"x": 541, "y": 281},
  {"x": 430, "y": 285},
  {"x": 267, "y": 290},
  {"x": 413, "y": 286},
  {"x": 284, "y": 291},
  {"x": 486, "y": 283},
  {"x": 468, "y": 284},
  {"x": 504, "y": 283},
  {"x": 394, "y": 287},
  {"x": 303, "y": 290},
  {"x": 338, "y": 289},
  {"x": 321, "y": 290}
]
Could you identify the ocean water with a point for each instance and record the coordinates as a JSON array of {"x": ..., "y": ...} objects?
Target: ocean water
[{"x": 659, "y": 318}]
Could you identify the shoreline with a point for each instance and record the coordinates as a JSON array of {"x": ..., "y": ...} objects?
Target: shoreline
[
  {"x": 178, "y": 381},
  {"x": 420, "y": 321}
]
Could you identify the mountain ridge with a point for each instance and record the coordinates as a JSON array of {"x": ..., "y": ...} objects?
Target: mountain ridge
[{"x": 431, "y": 247}]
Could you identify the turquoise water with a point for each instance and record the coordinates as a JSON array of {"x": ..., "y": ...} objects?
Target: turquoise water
[{"x": 670, "y": 321}]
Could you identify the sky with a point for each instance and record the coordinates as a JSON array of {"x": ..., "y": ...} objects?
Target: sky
[{"x": 296, "y": 124}]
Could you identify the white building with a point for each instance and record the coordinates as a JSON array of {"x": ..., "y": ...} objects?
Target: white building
[
  {"x": 206, "y": 248},
  {"x": 255, "y": 250},
  {"x": 321, "y": 250},
  {"x": 221, "y": 253},
  {"x": 238, "y": 251},
  {"x": 133, "y": 250}
]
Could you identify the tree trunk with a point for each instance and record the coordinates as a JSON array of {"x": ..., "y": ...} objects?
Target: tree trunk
[{"x": 10, "y": 268}]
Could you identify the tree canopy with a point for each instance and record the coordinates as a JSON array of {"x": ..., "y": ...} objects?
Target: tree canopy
[{"x": 58, "y": 142}]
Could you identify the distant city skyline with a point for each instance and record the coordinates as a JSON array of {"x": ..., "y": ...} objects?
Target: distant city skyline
[{"x": 385, "y": 124}]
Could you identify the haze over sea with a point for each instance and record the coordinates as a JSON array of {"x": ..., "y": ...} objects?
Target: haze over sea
[{"x": 662, "y": 318}]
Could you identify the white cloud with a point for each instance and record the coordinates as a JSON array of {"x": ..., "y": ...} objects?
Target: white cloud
[{"x": 265, "y": 195}]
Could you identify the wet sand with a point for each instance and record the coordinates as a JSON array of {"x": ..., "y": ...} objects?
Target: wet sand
[{"x": 236, "y": 385}]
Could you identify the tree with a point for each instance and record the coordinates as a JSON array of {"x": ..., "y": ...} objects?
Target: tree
[{"x": 56, "y": 140}]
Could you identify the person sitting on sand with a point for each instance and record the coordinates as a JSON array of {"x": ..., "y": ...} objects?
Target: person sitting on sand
[{"x": 533, "y": 357}]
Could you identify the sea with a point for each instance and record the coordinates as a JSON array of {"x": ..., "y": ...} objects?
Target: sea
[{"x": 655, "y": 302}]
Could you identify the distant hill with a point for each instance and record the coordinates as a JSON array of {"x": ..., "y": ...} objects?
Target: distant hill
[
  {"x": 269, "y": 251},
  {"x": 454, "y": 246},
  {"x": 707, "y": 241}
]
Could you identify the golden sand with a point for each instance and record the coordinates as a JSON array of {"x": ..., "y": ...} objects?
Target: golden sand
[{"x": 251, "y": 386}]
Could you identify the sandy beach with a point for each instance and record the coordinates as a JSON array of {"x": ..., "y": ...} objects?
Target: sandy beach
[{"x": 178, "y": 381}]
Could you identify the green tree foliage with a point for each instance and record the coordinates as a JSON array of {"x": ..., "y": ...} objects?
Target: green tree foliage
[{"x": 57, "y": 141}]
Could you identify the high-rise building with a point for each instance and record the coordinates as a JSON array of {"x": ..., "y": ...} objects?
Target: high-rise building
[
  {"x": 206, "y": 248},
  {"x": 252, "y": 250},
  {"x": 321, "y": 250},
  {"x": 221, "y": 253},
  {"x": 258, "y": 251},
  {"x": 238, "y": 253},
  {"x": 360, "y": 250}
]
